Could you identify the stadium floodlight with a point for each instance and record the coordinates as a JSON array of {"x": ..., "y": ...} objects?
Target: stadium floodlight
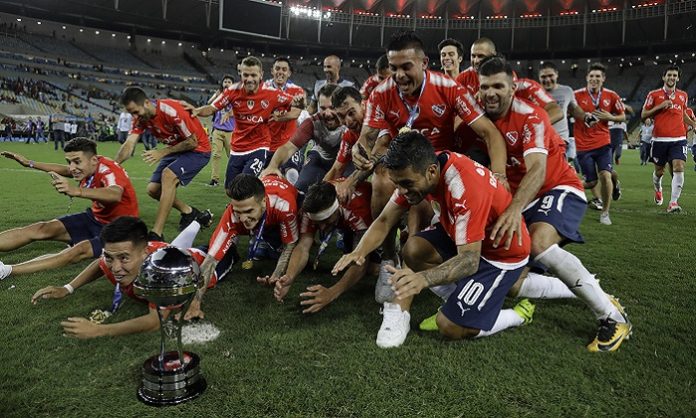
[
  {"x": 38, "y": 22},
  {"x": 113, "y": 35},
  {"x": 19, "y": 19},
  {"x": 96, "y": 32}
]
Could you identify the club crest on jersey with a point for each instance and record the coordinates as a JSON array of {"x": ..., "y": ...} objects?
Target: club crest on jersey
[
  {"x": 438, "y": 110},
  {"x": 379, "y": 113},
  {"x": 605, "y": 102},
  {"x": 511, "y": 137},
  {"x": 264, "y": 104},
  {"x": 250, "y": 104}
]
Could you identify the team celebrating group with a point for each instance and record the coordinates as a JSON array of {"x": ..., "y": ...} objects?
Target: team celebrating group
[{"x": 460, "y": 182}]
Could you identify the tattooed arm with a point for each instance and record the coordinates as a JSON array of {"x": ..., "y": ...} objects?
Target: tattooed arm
[{"x": 283, "y": 261}]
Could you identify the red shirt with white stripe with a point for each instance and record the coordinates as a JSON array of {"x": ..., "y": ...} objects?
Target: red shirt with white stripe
[
  {"x": 369, "y": 85},
  {"x": 669, "y": 123},
  {"x": 531, "y": 90},
  {"x": 468, "y": 201},
  {"x": 526, "y": 130},
  {"x": 349, "y": 139},
  {"x": 597, "y": 135},
  {"x": 281, "y": 132},
  {"x": 691, "y": 114},
  {"x": 281, "y": 212},
  {"x": 355, "y": 215},
  {"x": 172, "y": 124},
  {"x": 251, "y": 114},
  {"x": 469, "y": 80},
  {"x": 110, "y": 173},
  {"x": 440, "y": 101}
]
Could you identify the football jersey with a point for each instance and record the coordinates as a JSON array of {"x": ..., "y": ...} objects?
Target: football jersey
[
  {"x": 469, "y": 80},
  {"x": 668, "y": 123},
  {"x": 526, "y": 129},
  {"x": 251, "y": 114},
  {"x": 597, "y": 135},
  {"x": 109, "y": 173},
  {"x": 468, "y": 200},
  {"x": 689, "y": 112},
  {"x": 439, "y": 102},
  {"x": 347, "y": 141},
  {"x": 281, "y": 132},
  {"x": 532, "y": 91},
  {"x": 281, "y": 212},
  {"x": 355, "y": 215},
  {"x": 172, "y": 124},
  {"x": 564, "y": 96},
  {"x": 326, "y": 142},
  {"x": 369, "y": 85}
]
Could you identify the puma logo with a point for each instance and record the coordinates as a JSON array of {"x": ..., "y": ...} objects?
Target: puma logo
[{"x": 462, "y": 308}]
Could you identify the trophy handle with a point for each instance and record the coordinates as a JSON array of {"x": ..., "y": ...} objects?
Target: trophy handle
[{"x": 163, "y": 337}]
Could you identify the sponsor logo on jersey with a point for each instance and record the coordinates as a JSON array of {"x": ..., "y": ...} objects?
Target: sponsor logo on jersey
[{"x": 252, "y": 118}]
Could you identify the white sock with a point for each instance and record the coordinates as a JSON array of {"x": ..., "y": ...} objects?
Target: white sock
[
  {"x": 677, "y": 184},
  {"x": 507, "y": 318},
  {"x": 571, "y": 272},
  {"x": 537, "y": 286},
  {"x": 185, "y": 238},
  {"x": 444, "y": 290},
  {"x": 657, "y": 182},
  {"x": 5, "y": 270}
]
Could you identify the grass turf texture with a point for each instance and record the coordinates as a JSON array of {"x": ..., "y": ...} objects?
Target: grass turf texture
[{"x": 271, "y": 360}]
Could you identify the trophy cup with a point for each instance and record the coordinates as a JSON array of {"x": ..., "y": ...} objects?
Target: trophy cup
[{"x": 169, "y": 278}]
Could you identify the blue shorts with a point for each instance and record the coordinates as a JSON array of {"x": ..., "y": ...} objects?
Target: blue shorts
[
  {"x": 561, "y": 209},
  {"x": 250, "y": 163},
  {"x": 662, "y": 153},
  {"x": 294, "y": 163},
  {"x": 84, "y": 226},
  {"x": 225, "y": 265},
  {"x": 593, "y": 161},
  {"x": 185, "y": 165}
]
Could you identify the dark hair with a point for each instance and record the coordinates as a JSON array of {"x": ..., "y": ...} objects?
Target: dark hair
[
  {"x": 227, "y": 77},
  {"x": 283, "y": 59},
  {"x": 495, "y": 64},
  {"x": 452, "y": 42},
  {"x": 548, "y": 64},
  {"x": 133, "y": 94},
  {"x": 342, "y": 93},
  {"x": 672, "y": 67},
  {"x": 81, "y": 143},
  {"x": 327, "y": 90},
  {"x": 319, "y": 197},
  {"x": 125, "y": 229},
  {"x": 405, "y": 40},
  {"x": 597, "y": 66},
  {"x": 244, "y": 186},
  {"x": 252, "y": 62},
  {"x": 382, "y": 63},
  {"x": 410, "y": 149}
]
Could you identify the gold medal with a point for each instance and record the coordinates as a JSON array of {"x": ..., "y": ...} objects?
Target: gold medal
[
  {"x": 404, "y": 130},
  {"x": 98, "y": 316},
  {"x": 247, "y": 265}
]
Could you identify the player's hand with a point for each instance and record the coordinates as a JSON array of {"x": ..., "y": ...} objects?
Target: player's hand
[
  {"x": 602, "y": 114},
  {"x": 15, "y": 156},
  {"x": 152, "y": 156},
  {"x": 344, "y": 190},
  {"x": 298, "y": 101},
  {"x": 226, "y": 116},
  {"x": 267, "y": 280},
  {"x": 207, "y": 269},
  {"x": 194, "y": 311},
  {"x": 282, "y": 287},
  {"x": 507, "y": 226},
  {"x": 279, "y": 116},
  {"x": 347, "y": 260},
  {"x": 406, "y": 282},
  {"x": 61, "y": 184},
  {"x": 362, "y": 158},
  {"x": 270, "y": 171},
  {"x": 80, "y": 328},
  {"x": 667, "y": 104},
  {"x": 50, "y": 292},
  {"x": 188, "y": 106},
  {"x": 316, "y": 298}
]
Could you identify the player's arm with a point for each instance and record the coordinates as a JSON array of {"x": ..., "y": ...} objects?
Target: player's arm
[
  {"x": 291, "y": 114},
  {"x": 373, "y": 237},
  {"x": 407, "y": 283},
  {"x": 297, "y": 263},
  {"x": 554, "y": 111},
  {"x": 689, "y": 121},
  {"x": 279, "y": 158},
  {"x": 127, "y": 148},
  {"x": 576, "y": 111},
  {"x": 362, "y": 150},
  {"x": 497, "y": 151},
  {"x": 283, "y": 260},
  {"x": 47, "y": 167},
  {"x": 203, "y": 111},
  {"x": 82, "y": 328},
  {"x": 91, "y": 273},
  {"x": 649, "y": 110}
]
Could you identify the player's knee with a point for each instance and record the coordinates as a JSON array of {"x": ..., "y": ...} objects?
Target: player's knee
[
  {"x": 590, "y": 184},
  {"x": 154, "y": 190},
  {"x": 81, "y": 251},
  {"x": 449, "y": 329},
  {"x": 169, "y": 177},
  {"x": 412, "y": 254}
]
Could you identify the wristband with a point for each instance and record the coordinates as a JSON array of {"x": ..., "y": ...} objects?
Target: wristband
[
  {"x": 31, "y": 163},
  {"x": 69, "y": 288}
]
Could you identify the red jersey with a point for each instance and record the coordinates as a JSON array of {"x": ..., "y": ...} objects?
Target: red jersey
[
  {"x": 669, "y": 123},
  {"x": 172, "y": 124},
  {"x": 281, "y": 212},
  {"x": 597, "y": 135},
  {"x": 532, "y": 91},
  {"x": 355, "y": 215},
  {"x": 251, "y": 114},
  {"x": 369, "y": 85},
  {"x": 281, "y": 132},
  {"x": 689, "y": 112},
  {"x": 440, "y": 100},
  {"x": 110, "y": 173},
  {"x": 526, "y": 129},
  {"x": 468, "y": 201},
  {"x": 347, "y": 141},
  {"x": 469, "y": 80}
]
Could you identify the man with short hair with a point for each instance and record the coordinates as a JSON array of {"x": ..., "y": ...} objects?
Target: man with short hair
[
  {"x": 592, "y": 140},
  {"x": 646, "y": 131},
  {"x": 187, "y": 151},
  {"x": 100, "y": 180},
  {"x": 332, "y": 71},
  {"x": 667, "y": 107},
  {"x": 282, "y": 131},
  {"x": 221, "y": 137},
  {"x": 350, "y": 111},
  {"x": 382, "y": 72},
  {"x": 124, "y": 125},
  {"x": 451, "y": 56}
]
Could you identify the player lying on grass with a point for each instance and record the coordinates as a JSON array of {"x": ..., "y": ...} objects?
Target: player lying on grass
[
  {"x": 125, "y": 248},
  {"x": 100, "y": 180}
]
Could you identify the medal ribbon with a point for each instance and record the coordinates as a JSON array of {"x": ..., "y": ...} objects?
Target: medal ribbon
[
  {"x": 258, "y": 238},
  {"x": 325, "y": 238},
  {"x": 595, "y": 100},
  {"x": 413, "y": 111},
  {"x": 117, "y": 299}
]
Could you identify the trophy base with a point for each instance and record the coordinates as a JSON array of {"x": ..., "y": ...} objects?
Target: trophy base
[{"x": 168, "y": 383}]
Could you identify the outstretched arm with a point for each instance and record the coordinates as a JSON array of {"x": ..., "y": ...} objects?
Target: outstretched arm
[{"x": 47, "y": 167}]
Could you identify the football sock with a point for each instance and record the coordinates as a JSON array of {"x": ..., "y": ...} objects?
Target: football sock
[
  {"x": 657, "y": 182},
  {"x": 506, "y": 319},
  {"x": 570, "y": 271},
  {"x": 185, "y": 238},
  {"x": 677, "y": 184},
  {"x": 537, "y": 286}
]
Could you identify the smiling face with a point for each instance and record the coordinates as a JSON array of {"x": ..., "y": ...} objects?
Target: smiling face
[
  {"x": 496, "y": 91},
  {"x": 251, "y": 77},
  {"x": 124, "y": 259},
  {"x": 281, "y": 73},
  {"x": 450, "y": 59},
  {"x": 249, "y": 211},
  {"x": 332, "y": 66},
  {"x": 479, "y": 52},
  {"x": 414, "y": 186},
  {"x": 671, "y": 78},
  {"x": 595, "y": 80},
  {"x": 548, "y": 77},
  {"x": 81, "y": 164},
  {"x": 351, "y": 114},
  {"x": 144, "y": 111},
  {"x": 327, "y": 113},
  {"x": 408, "y": 66}
]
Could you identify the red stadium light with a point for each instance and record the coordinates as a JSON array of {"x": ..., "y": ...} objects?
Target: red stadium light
[
  {"x": 569, "y": 13},
  {"x": 530, "y": 15}
]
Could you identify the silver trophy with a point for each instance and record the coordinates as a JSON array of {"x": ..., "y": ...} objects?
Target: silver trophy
[{"x": 170, "y": 278}]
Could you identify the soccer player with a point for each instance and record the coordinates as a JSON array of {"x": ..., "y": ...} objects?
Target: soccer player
[
  {"x": 100, "y": 180},
  {"x": 592, "y": 140},
  {"x": 324, "y": 128},
  {"x": 548, "y": 193},
  {"x": 468, "y": 199},
  {"x": 322, "y": 212},
  {"x": 382, "y": 72},
  {"x": 667, "y": 107},
  {"x": 349, "y": 109},
  {"x": 125, "y": 248},
  {"x": 223, "y": 125},
  {"x": 332, "y": 71},
  {"x": 253, "y": 105},
  {"x": 451, "y": 56},
  {"x": 282, "y": 131},
  {"x": 187, "y": 151}
]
